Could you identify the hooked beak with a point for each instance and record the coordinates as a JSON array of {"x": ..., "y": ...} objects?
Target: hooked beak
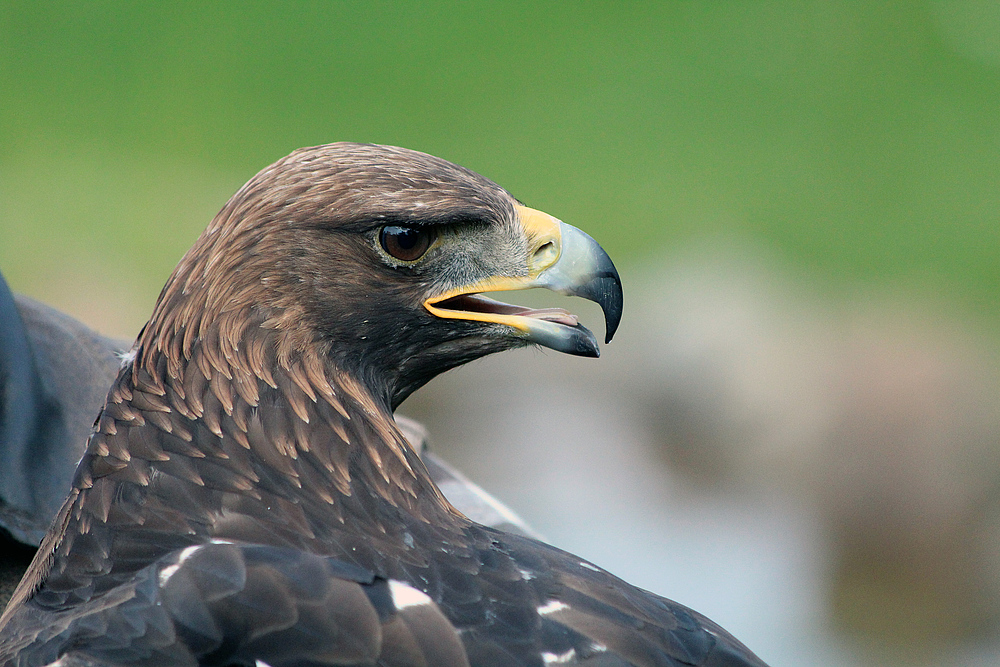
[{"x": 560, "y": 258}]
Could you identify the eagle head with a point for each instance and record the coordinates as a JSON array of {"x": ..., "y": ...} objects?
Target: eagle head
[{"x": 379, "y": 257}]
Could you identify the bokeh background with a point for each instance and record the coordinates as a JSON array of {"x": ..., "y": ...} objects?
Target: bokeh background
[{"x": 797, "y": 430}]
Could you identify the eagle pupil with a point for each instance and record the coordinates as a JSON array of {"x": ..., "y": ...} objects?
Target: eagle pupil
[{"x": 405, "y": 243}]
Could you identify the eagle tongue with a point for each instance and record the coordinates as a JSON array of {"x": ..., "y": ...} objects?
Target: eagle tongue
[
  {"x": 484, "y": 304},
  {"x": 557, "y": 315}
]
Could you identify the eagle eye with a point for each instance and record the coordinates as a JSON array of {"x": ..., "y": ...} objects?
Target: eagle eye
[{"x": 405, "y": 243}]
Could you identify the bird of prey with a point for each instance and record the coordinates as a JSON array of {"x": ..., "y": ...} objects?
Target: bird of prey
[{"x": 247, "y": 498}]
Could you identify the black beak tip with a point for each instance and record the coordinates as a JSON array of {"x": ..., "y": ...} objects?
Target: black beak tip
[
  {"x": 611, "y": 321},
  {"x": 585, "y": 344},
  {"x": 609, "y": 296}
]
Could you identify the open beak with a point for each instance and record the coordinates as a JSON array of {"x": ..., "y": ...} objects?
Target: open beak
[{"x": 560, "y": 258}]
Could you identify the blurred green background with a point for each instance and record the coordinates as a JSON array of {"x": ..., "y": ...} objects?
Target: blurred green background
[
  {"x": 857, "y": 140},
  {"x": 853, "y": 145}
]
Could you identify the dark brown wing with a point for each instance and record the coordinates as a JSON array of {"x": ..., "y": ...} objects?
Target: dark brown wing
[
  {"x": 501, "y": 600},
  {"x": 227, "y": 604}
]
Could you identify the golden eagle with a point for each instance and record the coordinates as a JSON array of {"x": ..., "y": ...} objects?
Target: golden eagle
[{"x": 247, "y": 497}]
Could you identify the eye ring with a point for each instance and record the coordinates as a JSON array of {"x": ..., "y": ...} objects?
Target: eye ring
[{"x": 407, "y": 244}]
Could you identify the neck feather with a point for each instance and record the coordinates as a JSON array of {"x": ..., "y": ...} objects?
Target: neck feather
[{"x": 239, "y": 414}]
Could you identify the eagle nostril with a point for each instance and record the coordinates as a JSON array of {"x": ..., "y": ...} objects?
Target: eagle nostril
[{"x": 544, "y": 256}]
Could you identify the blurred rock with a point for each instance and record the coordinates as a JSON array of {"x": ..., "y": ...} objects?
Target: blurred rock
[
  {"x": 907, "y": 478},
  {"x": 884, "y": 417}
]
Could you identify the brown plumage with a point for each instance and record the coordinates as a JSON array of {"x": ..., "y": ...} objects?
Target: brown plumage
[{"x": 247, "y": 495}]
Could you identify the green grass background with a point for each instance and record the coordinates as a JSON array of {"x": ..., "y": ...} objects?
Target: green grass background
[{"x": 857, "y": 141}]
